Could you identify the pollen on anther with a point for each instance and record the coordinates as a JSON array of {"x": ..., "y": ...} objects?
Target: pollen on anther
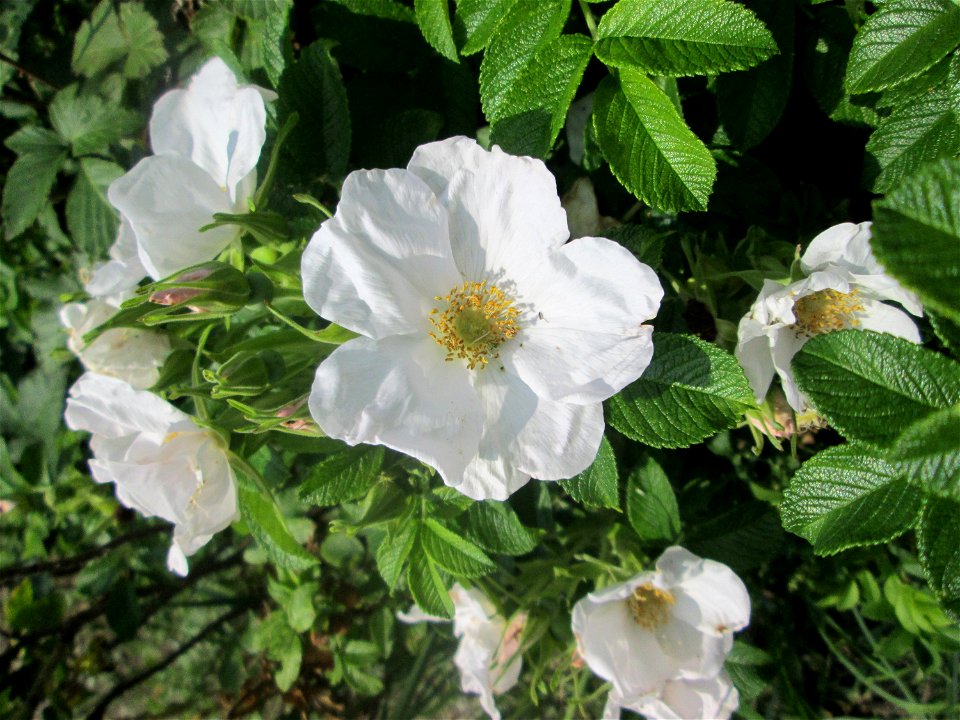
[
  {"x": 827, "y": 310},
  {"x": 473, "y": 321}
]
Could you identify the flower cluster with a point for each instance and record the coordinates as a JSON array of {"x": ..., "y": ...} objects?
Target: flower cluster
[
  {"x": 844, "y": 288},
  {"x": 661, "y": 638}
]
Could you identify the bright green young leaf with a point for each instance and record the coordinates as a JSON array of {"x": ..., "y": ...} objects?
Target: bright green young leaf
[
  {"x": 27, "y": 187},
  {"x": 313, "y": 88},
  {"x": 427, "y": 587},
  {"x": 535, "y": 106},
  {"x": 648, "y": 145},
  {"x": 107, "y": 37},
  {"x": 454, "y": 554},
  {"x": 651, "y": 504},
  {"x": 928, "y": 452},
  {"x": 91, "y": 219},
  {"x": 900, "y": 40},
  {"x": 599, "y": 485},
  {"x": 34, "y": 138},
  {"x": 267, "y": 525},
  {"x": 694, "y": 37},
  {"x": 433, "y": 17},
  {"x": 394, "y": 550},
  {"x": 143, "y": 40},
  {"x": 479, "y": 19},
  {"x": 345, "y": 476},
  {"x": 916, "y": 234},
  {"x": 938, "y": 540},
  {"x": 300, "y": 608},
  {"x": 691, "y": 390},
  {"x": 847, "y": 496},
  {"x": 495, "y": 527},
  {"x": 88, "y": 122},
  {"x": 870, "y": 386}
]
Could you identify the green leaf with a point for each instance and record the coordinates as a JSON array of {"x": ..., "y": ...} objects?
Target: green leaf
[
  {"x": 433, "y": 17},
  {"x": 599, "y": 485},
  {"x": 345, "y": 476},
  {"x": 106, "y": 38},
  {"x": 34, "y": 138},
  {"x": 916, "y": 233},
  {"x": 535, "y": 106},
  {"x": 88, "y": 122},
  {"x": 266, "y": 523},
  {"x": 743, "y": 663},
  {"x": 691, "y": 390},
  {"x": 695, "y": 37},
  {"x": 258, "y": 9},
  {"x": 300, "y": 608},
  {"x": 751, "y": 102},
  {"x": 27, "y": 187},
  {"x": 394, "y": 550},
  {"x": 901, "y": 40},
  {"x": 848, "y": 496},
  {"x": 869, "y": 385},
  {"x": 928, "y": 453},
  {"x": 91, "y": 219},
  {"x": 495, "y": 527},
  {"x": 648, "y": 145},
  {"x": 456, "y": 555},
  {"x": 426, "y": 585},
  {"x": 938, "y": 541},
  {"x": 651, "y": 504},
  {"x": 313, "y": 88},
  {"x": 479, "y": 19},
  {"x": 142, "y": 39},
  {"x": 743, "y": 537}
]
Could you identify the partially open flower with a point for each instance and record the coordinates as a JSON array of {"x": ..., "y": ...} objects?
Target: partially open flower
[
  {"x": 488, "y": 655},
  {"x": 162, "y": 463},
  {"x": 662, "y": 637},
  {"x": 487, "y": 343},
  {"x": 845, "y": 288}
]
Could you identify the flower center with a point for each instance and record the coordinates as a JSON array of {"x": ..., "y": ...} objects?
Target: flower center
[
  {"x": 649, "y": 606},
  {"x": 827, "y": 310},
  {"x": 473, "y": 321}
]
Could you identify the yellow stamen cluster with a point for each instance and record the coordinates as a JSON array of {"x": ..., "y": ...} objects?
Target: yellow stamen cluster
[
  {"x": 827, "y": 310},
  {"x": 650, "y": 606},
  {"x": 473, "y": 321}
]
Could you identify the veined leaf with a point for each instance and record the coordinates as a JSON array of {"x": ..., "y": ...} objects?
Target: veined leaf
[
  {"x": 27, "y": 186},
  {"x": 870, "y": 385},
  {"x": 427, "y": 587},
  {"x": 456, "y": 555},
  {"x": 267, "y": 525},
  {"x": 345, "y": 476},
  {"x": 599, "y": 485},
  {"x": 901, "y": 40},
  {"x": 938, "y": 541},
  {"x": 479, "y": 19},
  {"x": 433, "y": 17},
  {"x": 916, "y": 234},
  {"x": 394, "y": 550},
  {"x": 848, "y": 496},
  {"x": 651, "y": 504},
  {"x": 693, "y": 37},
  {"x": 928, "y": 453},
  {"x": 91, "y": 219},
  {"x": 648, "y": 145},
  {"x": 691, "y": 390},
  {"x": 496, "y": 528}
]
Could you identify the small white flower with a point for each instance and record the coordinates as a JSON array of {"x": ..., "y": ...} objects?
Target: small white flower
[
  {"x": 206, "y": 142},
  {"x": 162, "y": 463},
  {"x": 488, "y": 655},
  {"x": 844, "y": 288},
  {"x": 487, "y": 344},
  {"x": 661, "y": 637}
]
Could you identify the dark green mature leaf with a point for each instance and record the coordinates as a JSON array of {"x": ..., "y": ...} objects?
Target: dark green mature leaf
[
  {"x": 901, "y": 40},
  {"x": 928, "y": 453},
  {"x": 751, "y": 102},
  {"x": 394, "y": 550},
  {"x": 479, "y": 19},
  {"x": 267, "y": 525},
  {"x": 313, "y": 88},
  {"x": 433, "y": 17},
  {"x": 496, "y": 528},
  {"x": 599, "y": 485},
  {"x": 427, "y": 587},
  {"x": 695, "y": 37},
  {"x": 847, "y": 496},
  {"x": 691, "y": 390},
  {"x": 91, "y": 219},
  {"x": 871, "y": 385},
  {"x": 938, "y": 540},
  {"x": 649, "y": 147},
  {"x": 345, "y": 476},
  {"x": 916, "y": 234},
  {"x": 744, "y": 537},
  {"x": 535, "y": 106},
  {"x": 456, "y": 555},
  {"x": 28, "y": 183},
  {"x": 651, "y": 504}
]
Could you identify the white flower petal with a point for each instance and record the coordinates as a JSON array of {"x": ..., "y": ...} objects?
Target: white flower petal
[
  {"x": 123, "y": 272},
  {"x": 753, "y": 354},
  {"x": 886, "y": 288},
  {"x": 712, "y": 698},
  {"x": 376, "y": 266},
  {"x": 583, "y": 338},
  {"x": 177, "y": 561},
  {"x": 399, "y": 392},
  {"x": 841, "y": 243},
  {"x": 218, "y": 125},
  {"x": 167, "y": 199},
  {"x": 883, "y": 318},
  {"x": 709, "y": 595},
  {"x": 611, "y": 708},
  {"x": 112, "y": 408}
]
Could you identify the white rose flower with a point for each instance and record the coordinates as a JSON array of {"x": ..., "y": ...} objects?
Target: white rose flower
[
  {"x": 207, "y": 141},
  {"x": 844, "y": 289},
  {"x": 661, "y": 637},
  {"x": 488, "y": 655},
  {"x": 487, "y": 344},
  {"x": 162, "y": 463}
]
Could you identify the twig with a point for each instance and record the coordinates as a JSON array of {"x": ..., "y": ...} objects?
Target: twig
[{"x": 23, "y": 71}]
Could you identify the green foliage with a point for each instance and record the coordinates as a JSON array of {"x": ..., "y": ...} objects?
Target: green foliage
[
  {"x": 652, "y": 505},
  {"x": 938, "y": 540},
  {"x": 433, "y": 17},
  {"x": 690, "y": 391},
  {"x": 598, "y": 485},
  {"x": 928, "y": 454},
  {"x": 344, "y": 476},
  {"x": 91, "y": 219},
  {"x": 109, "y": 37},
  {"x": 30, "y": 178},
  {"x": 495, "y": 527},
  {"x": 267, "y": 524}
]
